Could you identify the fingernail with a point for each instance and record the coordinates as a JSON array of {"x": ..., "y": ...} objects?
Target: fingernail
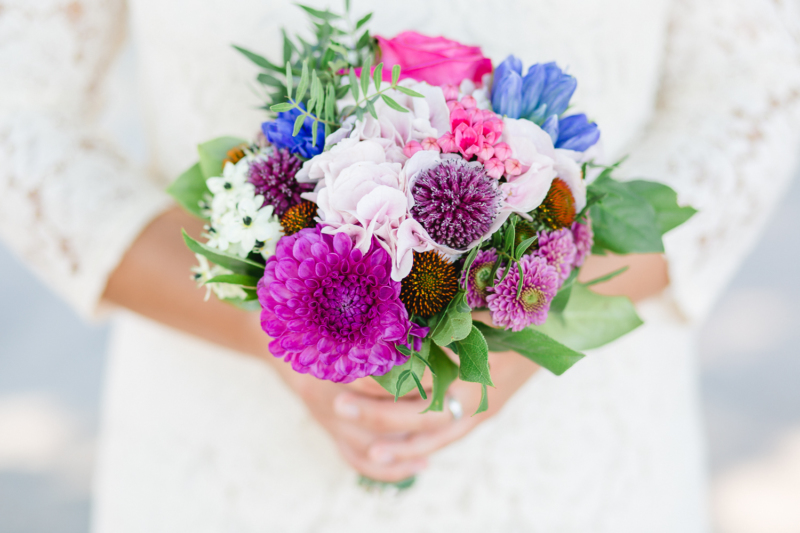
[
  {"x": 345, "y": 409},
  {"x": 381, "y": 456}
]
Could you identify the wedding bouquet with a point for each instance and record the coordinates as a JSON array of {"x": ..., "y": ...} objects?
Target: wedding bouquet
[{"x": 381, "y": 204}]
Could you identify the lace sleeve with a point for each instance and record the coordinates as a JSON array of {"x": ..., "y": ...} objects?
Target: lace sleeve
[
  {"x": 725, "y": 134},
  {"x": 70, "y": 204}
]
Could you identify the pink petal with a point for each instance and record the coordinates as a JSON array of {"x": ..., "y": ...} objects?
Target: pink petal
[
  {"x": 457, "y": 117},
  {"x": 430, "y": 143},
  {"x": 513, "y": 167},
  {"x": 495, "y": 168},
  {"x": 447, "y": 143},
  {"x": 486, "y": 152},
  {"x": 450, "y": 92},
  {"x": 469, "y": 102},
  {"x": 502, "y": 151},
  {"x": 411, "y": 148}
]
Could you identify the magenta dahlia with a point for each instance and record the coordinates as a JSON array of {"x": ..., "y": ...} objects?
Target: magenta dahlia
[
  {"x": 332, "y": 310},
  {"x": 539, "y": 286},
  {"x": 479, "y": 278},
  {"x": 558, "y": 249},
  {"x": 583, "y": 236},
  {"x": 456, "y": 202},
  {"x": 273, "y": 178}
]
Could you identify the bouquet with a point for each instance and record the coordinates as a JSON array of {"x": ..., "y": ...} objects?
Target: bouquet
[{"x": 400, "y": 184}]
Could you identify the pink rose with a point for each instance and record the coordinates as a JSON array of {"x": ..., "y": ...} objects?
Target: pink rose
[{"x": 436, "y": 60}]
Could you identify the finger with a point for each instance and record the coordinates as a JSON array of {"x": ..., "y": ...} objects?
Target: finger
[
  {"x": 355, "y": 436},
  {"x": 386, "y": 416},
  {"x": 417, "y": 445},
  {"x": 389, "y": 473}
]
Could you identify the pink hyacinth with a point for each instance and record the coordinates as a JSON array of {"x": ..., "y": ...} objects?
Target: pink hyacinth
[
  {"x": 333, "y": 311},
  {"x": 476, "y": 133},
  {"x": 539, "y": 287},
  {"x": 558, "y": 249},
  {"x": 583, "y": 236}
]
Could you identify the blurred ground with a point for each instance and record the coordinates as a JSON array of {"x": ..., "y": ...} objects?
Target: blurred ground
[{"x": 51, "y": 368}]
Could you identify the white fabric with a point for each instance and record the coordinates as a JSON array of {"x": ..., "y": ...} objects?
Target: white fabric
[{"x": 703, "y": 93}]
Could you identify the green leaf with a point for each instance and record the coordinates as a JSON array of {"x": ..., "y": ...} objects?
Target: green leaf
[
  {"x": 394, "y": 105},
  {"x": 389, "y": 380},
  {"x": 245, "y": 304},
  {"x": 607, "y": 277},
  {"x": 420, "y": 388},
  {"x": 189, "y": 190},
  {"x": 258, "y": 60},
  {"x": 284, "y": 106},
  {"x": 665, "y": 202},
  {"x": 298, "y": 124},
  {"x": 363, "y": 40},
  {"x": 314, "y": 129},
  {"x": 236, "y": 264},
  {"x": 377, "y": 76},
  {"x": 363, "y": 20},
  {"x": 288, "y": 47},
  {"x": 395, "y": 75},
  {"x": 445, "y": 371},
  {"x": 531, "y": 344},
  {"x": 473, "y": 353},
  {"x": 269, "y": 79},
  {"x": 400, "y": 380},
  {"x": 591, "y": 320},
  {"x": 409, "y": 92},
  {"x": 562, "y": 298},
  {"x": 523, "y": 246},
  {"x": 484, "y": 405},
  {"x": 214, "y": 152},
  {"x": 510, "y": 235},
  {"x": 455, "y": 322},
  {"x": 371, "y": 109},
  {"x": 312, "y": 99},
  {"x": 353, "y": 84},
  {"x": 303, "y": 85},
  {"x": 330, "y": 105},
  {"x": 289, "y": 81},
  {"x": 365, "y": 69},
  {"x": 316, "y": 13},
  {"x": 624, "y": 222},
  {"x": 235, "y": 279}
]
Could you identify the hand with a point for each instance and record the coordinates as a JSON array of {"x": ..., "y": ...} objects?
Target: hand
[{"x": 403, "y": 436}]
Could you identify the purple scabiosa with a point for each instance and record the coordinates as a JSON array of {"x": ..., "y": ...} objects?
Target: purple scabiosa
[
  {"x": 480, "y": 273},
  {"x": 539, "y": 287},
  {"x": 273, "y": 177},
  {"x": 333, "y": 311},
  {"x": 456, "y": 202},
  {"x": 558, "y": 249},
  {"x": 583, "y": 236}
]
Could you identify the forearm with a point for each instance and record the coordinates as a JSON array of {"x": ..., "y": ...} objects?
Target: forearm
[{"x": 154, "y": 280}]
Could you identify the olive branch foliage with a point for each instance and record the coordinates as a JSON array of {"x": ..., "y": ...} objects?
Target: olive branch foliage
[{"x": 314, "y": 76}]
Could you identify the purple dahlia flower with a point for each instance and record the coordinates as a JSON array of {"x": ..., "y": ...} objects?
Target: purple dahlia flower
[
  {"x": 479, "y": 278},
  {"x": 456, "y": 202},
  {"x": 332, "y": 310},
  {"x": 273, "y": 177},
  {"x": 558, "y": 249},
  {"x": 584, "y": 240},
  {"x": 539, "y": 286}
]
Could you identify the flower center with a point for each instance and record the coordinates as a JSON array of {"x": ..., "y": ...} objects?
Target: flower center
[
  {"x": 530, "y": 299},
  {"x": 247, "y": 221}
]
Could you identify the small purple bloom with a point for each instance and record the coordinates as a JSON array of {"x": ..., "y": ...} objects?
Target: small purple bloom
[
  {"x": 539, "y": 286},
  {"x": 479, "y": 278},
  {"x": 279, "y": 133},
  {"x": 584, "y": 240},
  {"x": 456, "y": 202},
  {"x": 558, "y": 249},
  {"x": 273, "y": 178},
  {"x": 332, "y": 310}
]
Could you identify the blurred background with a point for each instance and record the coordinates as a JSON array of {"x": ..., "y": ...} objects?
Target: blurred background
[{"x": 51, "y": 369}]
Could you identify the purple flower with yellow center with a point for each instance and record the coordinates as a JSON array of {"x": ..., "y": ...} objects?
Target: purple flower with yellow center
[
  {"x": 558, "y": 249},
  {"x": 456, "y": 202},
  {"x": 517, "y": 310},
  {"x": 583, "y": 236},
  {"x": 332, "y": 310},
  {"x": 480, "y": 274},
  {"x": 273, "y": 177}
]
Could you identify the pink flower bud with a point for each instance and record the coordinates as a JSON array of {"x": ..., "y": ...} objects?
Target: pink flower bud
[
  {"x": 494, "y": 167},
  {"x": 411, "y": 148},
  {"x": 469, "y": 102},
  {"x": 486, "y": 152},
  {"x": 450, "y": 92},
  {"x": 447, "y": 143},
  {"x": 453, "y": 104},
  {"x": 513, "y": 167},
  {"x": 457, "y": 117},
  {"x": 502, "y": 151},
  {"x": 430, "y": 143}
]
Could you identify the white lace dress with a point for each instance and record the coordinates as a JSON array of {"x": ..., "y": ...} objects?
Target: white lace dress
[{"x": 704, "y": 95}]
